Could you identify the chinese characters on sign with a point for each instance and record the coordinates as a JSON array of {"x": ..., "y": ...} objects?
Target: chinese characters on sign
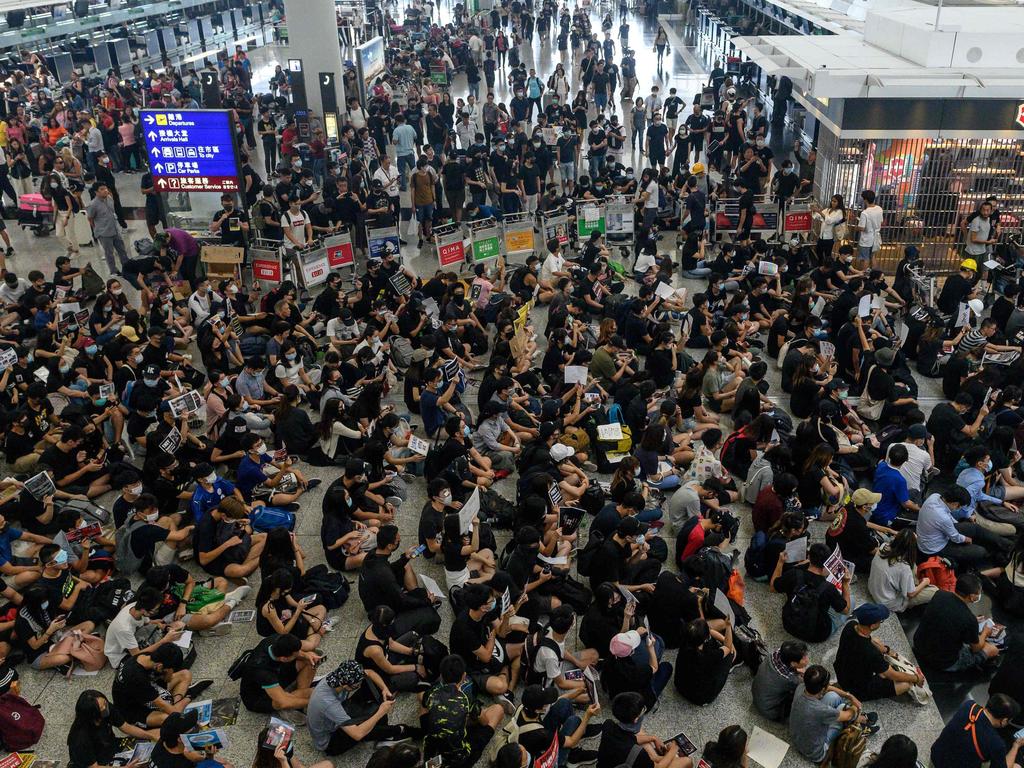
[{"x": 191, "y": 150}]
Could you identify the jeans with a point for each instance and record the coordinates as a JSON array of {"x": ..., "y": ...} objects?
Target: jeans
[
  {"x": 405, "y": 161},
  {"x": 865, "y": 252},
  {"x": 666, "y": 483},
  {"x": 837, "y": 702},
  {"x": 699, "y": 272},
  {"x": 840, "y": 619},
  {"x": 661, "y": 679},
  {"x": 650, "y": 515},
  {"x": 474, "y": 89},
  {"x": 595, "y": 162},
  {"x": 562, "y": 718},
  {"x": 567, "y": 171},
  {"x": 601, "y": 101}
]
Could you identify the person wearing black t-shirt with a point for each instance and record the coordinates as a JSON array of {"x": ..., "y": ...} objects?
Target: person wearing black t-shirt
[
  {"x": 697, "y": 126},
  {"x": 657, "y": 133},
  {"x": 233, "y": 225},
  {"x": 830, "y": 608},
  {"x": 861, "y": 666},
  {"x": 142, "y": 679},
  {"x": 271, "y": 214},
  {"x": 267, "y": 129},
  {"x": 597, "y": 143},
  {"x": 91, "y": 738},
  {"x": 746, "y": 210}
]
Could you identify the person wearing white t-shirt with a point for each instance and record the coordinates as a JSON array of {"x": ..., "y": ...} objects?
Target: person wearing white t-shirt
[
  {"x": 552, "y": 270},
  {"x": 298, "y": 230},
  {"x": 650, "y": 196},
  {"x": 919, "y": 459},
  {"x": 120, "y": 641},
  {"x": 869, "y": 225},
  {"x": 388, "y": 175}
]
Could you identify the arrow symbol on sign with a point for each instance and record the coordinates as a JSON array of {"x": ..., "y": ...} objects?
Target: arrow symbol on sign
[
  {"x": 149, "y": 119},
  {"x": 158, "y": 168},
  {"x": 161, "y": 183},
  {"x": 155, "y": 152},
  {"x": 152, "y": 135}
]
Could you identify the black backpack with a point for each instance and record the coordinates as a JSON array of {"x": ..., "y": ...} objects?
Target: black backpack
[
  {"x": 534, "y": 643},
  {"x": 801, "y": 615},
  {"x": 585, "y": 558}
]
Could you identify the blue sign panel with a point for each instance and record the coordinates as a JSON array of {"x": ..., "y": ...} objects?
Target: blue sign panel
[{"x": 191, "y": 150}]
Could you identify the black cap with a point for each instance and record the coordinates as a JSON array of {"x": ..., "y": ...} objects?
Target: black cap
[
  {"x": 536, "y": 697},
  {"x": 178, "y": 723},
  {"x": 630, "y": 526}
]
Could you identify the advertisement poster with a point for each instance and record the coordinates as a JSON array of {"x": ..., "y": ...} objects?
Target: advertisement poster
[
  {"x": 485, "y": 248},
  {"x": 268, "y": 269},
  {"x": 451, "y": 253},
  {"x": 381, "y": 241},
  {"x": 339, "y": 251},
  {"x": 519, "y": 240}
]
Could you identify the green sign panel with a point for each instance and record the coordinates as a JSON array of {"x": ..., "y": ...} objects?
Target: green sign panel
[
  {"x": 585, "y": 226},
  {"x": 486, "y": 248},
  {"x": 439, "y": 78}
]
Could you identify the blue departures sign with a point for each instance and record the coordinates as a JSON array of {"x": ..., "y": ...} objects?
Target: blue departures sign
[{"x": 191, "y": 150}]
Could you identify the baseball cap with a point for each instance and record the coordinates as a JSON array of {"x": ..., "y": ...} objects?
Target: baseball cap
[
  {"x": 624, "y": 643},
  {"x": 560, "y": 452},
  {"x": 918, "y": 432},
  {"x": 630, "y": 526},
  {"x": 347, "y": 674},
  {"x": 863, "y": 496},
  {"x": 885, "y": 356},
  {"x": 129, "y": 333},
  {"x": 547, "y": 429},
  {"x": 870, "y": 613},
  {"x": 177, "y": 724},
  {"x": 836, "y": 384}
]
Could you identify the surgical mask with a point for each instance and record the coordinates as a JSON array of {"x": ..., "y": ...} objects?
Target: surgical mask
[
  {"x": 99, "y": 402},
  {"x": 245, "y": 406},
  {"x": 117, "y": 291},
  {"x": 45, "y": 604},
  {"x": 61, "y": 557},
  {"x": 232, "y": 289},
  {"x": 501, "y": 147},
  {"x": 489, "y": 607},
  {"x": 65, "y": 368},
  {"x": 988, "y": 465},
  {"x": 151, "y": 382},
  {"x": 91, "y": 349},
  {"x": 446, "y": 497},
  {"x": 843, "y": 394},
  {"x": 151, "y": 518},
  {"x": 54, "y": 185},
  {"x": 134, "y": 490},
  {"x": 760, "y": 142},
  {"x": 290, "y": 356},
  {"x": 787, "y": 171},
  {"x": 137, "y": 359},
  {"x": 30, "y": 357},
  {"x": 211, "y": 478},
  {"x": 262, "y": 449},
  {"x": 466, "y": 430}
]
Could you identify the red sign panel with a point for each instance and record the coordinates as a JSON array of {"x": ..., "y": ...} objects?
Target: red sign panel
[
  {"x": 196, "y": 184},
  {"x": 452, "y": 253},
  {"x": 267, "y": 269},
  {"x": 800, "y": 221},
  {"x": 1020, "y": 115},
  {"x": 549, "y": 757},
  {"x": 340, "y": 255}
]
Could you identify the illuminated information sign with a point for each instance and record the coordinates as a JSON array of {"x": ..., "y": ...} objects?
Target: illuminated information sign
[{"x": 191, "y": 150}]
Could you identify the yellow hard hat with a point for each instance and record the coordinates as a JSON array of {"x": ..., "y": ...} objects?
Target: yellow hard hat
[
  {"x": 698, "y": 168},
  {"x": 970, "y": 264}
]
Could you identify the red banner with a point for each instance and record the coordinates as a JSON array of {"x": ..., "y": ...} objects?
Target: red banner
[
  {"x": 549, "y": 757},
  {"x": 340, "y": 255},
  {"x": 267, "y": 269},
  {"x": 452, "y": 253},
  {"x": 800, "y": 221}
]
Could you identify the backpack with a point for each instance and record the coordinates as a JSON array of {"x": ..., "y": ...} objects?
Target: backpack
[
  {"x": 107, "y": 599},
  {"x": 849, "y": 746},
  {"x": 331, "y": 587},
  {"x": 259, "y": 223},
  {"x": 21, "y": 723},
  {"x": 939, "y": 572},
  {"x": 238, "y": 666},
  {"x": 533, "y": 644},
  {"x": 252, "y": 345},
  {"x": 585, "y": 558},
  {"x": 432, "y": 467},
  {"x": 728, "y": 453},
  {"x": 401, "y": 352},
  {"x": 802, "y": 612},
  {"x": 509, "y": 734},
  {"x": 125, "y": 559},
  {"x": 684, "y": 534},
  {"x": 753, "y": 558}
]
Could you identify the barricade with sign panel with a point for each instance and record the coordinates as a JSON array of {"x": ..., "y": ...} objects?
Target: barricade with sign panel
[
  {"x": 266, "y": 262},
  {"x": 451, "y": 249},
  {"x": 340, "y": 252},
  {"x": 311, "y": 265},
  {"x": 556, "y": 225},
  {"x": 486, "y": 237},
  {"x": 798, "y": 219},
  {"x": 383, "y": 240},
  {"x": 590, "y": 217},
  {"x": 727, "y": 218},
  {"x": 519, "y": 239},
  {"x": 620, "y": 221}
]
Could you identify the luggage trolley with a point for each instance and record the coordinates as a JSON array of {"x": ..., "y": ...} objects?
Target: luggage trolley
[
  {"x": 727, "y": 218},
  {"x": 486, "y": 238},
  {"x": 266, "y": 264},
  {"x": 381, "y": 240},
  {"x": 555, "y": 224},
  {"x": 449, "y": 246},
  {"x": 518, "y": 235},
  {"x": 340, "y": 252},
  {"x": 310, "y": 264},
  {"x": 620, "y": 223}
]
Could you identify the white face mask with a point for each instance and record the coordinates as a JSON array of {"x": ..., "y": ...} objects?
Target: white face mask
[
  {"x": 261, "y": 449},
  {"x": 446, "y": 497},
  {"x": 138, "y": 359},
  {"x": 117, "y": 291},
  {"x": 151, "y": 518},
  {"x": 134, "y": 490},
  {"x": 211, "y": 479}
]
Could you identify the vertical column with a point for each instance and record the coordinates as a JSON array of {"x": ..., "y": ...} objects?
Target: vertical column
[{"x": 313, "y": 37}]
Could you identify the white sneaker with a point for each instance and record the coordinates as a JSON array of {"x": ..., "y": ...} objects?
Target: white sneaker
[{"x": 235, "y": 596}]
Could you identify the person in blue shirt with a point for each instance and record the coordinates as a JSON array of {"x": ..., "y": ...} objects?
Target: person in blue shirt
[
  {"x": 891, "y": 484},
  {"x": 259, "y": 476},
  {"x": 211, "y": 489},
  {"x": 971, "y": 738},
  {"x": 17, "y": 569},
  {"x": 434, "y": 402},
  {"x": 979, "y": 464}
]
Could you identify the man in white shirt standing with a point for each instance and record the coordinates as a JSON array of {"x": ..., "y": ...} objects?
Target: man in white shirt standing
[
  {"x": 387, "y": 175},
  {"x": 869, "y": 225},
  {"x": 920, "y": 447},
  {"x": 652, "y": 103},
  {"x": 297, "y": 228}
]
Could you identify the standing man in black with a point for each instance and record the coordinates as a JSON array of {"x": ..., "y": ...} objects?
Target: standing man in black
[
  {"x": 698, "y": 124},
  {"x": 267, "y": 130},
  {"x": 232, "y": 224}
]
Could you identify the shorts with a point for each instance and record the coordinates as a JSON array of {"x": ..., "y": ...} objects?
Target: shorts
[
  {"x": 425, "y": 212},
  {"x": 880, "y": 688},
  {"x": 456, "y": 198}
]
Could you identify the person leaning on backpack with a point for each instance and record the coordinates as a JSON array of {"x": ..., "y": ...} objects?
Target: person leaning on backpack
[
  {"x": 814, "y": 608},
  {"x": 544, "y": 716},
  {"x": 820, "y": 713}
]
